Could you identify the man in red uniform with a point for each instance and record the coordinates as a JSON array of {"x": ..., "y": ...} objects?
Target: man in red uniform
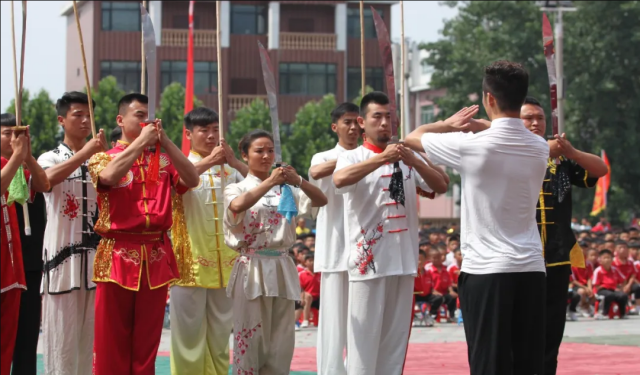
[
  {"x": 16, "y": 151},
  {"x": 134, "y": 262}
]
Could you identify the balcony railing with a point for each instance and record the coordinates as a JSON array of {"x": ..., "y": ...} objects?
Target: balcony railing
[
  {"x": 180, "y": 38},
  {"x": 308, "y": 41},
  {"x": 236, "y": 102}
]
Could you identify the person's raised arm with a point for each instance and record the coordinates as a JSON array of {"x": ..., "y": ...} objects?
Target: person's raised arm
[
  {"x": 440, "y": 170},
  {"x": 317, "y": 197},
  {"x": 352, "y": 174},
  {"x": 248, "y": 199},
  {"x": 186, "y": 170},
  {"x": 20, "y": 150},
  {"x": 323, "y": 170},
  {"x": 119, "y": 166},
  {"x": 233, "y": 161},
  {"x": 459, "y": 122},
  {"x": 432, "y": 176},
  {"x": 60, "y": 172}
]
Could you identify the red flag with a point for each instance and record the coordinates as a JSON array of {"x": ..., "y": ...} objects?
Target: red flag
[
  {"x": 188, "y": 95},
  {"x": 600, "y": 199}
]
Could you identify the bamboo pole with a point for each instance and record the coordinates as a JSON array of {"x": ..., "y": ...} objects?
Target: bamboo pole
[
  {"x": 221, "y": 119},
  {"x": 362, "y": 66},
  {"x": 86, "y": 73},
  {"x": 143, "y": 70},
  {"x": 402, "y": 78}
]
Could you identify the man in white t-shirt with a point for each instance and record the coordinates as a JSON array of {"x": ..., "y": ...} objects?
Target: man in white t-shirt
[
  {"x": 502, "y": 280},
  {"x": 381, "y": 238},
  {"x": 330, "y": 255}
]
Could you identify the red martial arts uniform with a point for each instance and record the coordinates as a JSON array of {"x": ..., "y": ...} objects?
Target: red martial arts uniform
[
  {"x": 12, "y": 281},
  {"x": 134, "y": 264}
]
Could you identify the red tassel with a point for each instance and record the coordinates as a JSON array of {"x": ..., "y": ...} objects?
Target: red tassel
[{"x": 153, "y": 170}]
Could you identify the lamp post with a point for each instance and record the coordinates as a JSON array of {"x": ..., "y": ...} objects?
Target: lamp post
[{"x": 558, "y": 7}]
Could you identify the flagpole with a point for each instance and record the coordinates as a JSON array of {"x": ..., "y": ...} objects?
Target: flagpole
[
  {"x": 143, "y": 69},
  {"x": 362, "y": 66},
  {"x": 221, "y": 118}
]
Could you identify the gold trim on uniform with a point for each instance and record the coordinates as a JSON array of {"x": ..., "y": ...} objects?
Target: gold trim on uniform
[
  {"x": 182, "y": 244},
  {"x": 102, "y": 262}
]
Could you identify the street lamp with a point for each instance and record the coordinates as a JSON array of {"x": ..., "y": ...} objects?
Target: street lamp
[{"x": 558, "y": 7}]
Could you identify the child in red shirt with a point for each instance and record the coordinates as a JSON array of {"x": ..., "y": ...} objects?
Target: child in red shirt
[
  {"x": 310, "y": 284},
  {"x": 454, "y": 269},
  {"x": 607, "y": 283},
  {"x": 581, "y": 281},
  {"x": 442, "y": 290}
]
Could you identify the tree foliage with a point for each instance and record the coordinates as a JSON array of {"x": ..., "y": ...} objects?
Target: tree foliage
[
  {"x": 602, "y": 76},
  {"x": 254, "y": 116},
  {"x": 106, "y": 96},
  {"x": 39, "y": 112},
  {"x": 171, "y": 111}
]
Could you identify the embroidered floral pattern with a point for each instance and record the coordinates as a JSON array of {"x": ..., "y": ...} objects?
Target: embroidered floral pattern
[
  {"x": 71, "y": 206},
  {"x": 128, "y": 255},
  {"x": 258, "y": 226},
  {"x": 156, "y": 255},
  {"x": 242, "y": 344},
  {"x": 364, "y": 261},
  {"x": 204, "y": 262}
]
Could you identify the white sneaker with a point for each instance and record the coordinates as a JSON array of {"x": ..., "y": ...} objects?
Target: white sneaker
[
  {"x": 305, "y": 324},
  {"x": 573, "y": 317},
  {"x": 599, "y": 316},
  {"x": 297, "y": 328}
]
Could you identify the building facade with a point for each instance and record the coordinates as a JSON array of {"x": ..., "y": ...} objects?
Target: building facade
[{"x": 314, "y": 47}]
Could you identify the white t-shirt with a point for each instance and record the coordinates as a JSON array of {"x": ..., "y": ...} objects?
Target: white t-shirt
[
  {"x": 381, "y": 235},
  {"x": 331, "y": 254},
  {"x": 502, "y": 170}
]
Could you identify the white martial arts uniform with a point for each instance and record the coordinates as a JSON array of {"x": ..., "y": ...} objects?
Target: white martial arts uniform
[
  {"x": 264, "y": 282},
  {"x": 331, "y": 261},
  {"x": 382, "y": 241},
  {"x": 69, "y": 249},
  {"x": 201, "y": 312}
]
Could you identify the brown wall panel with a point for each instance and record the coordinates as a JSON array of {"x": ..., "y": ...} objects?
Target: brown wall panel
[
  {"x": 246, "y": 59},
  {"x": 319, "y": 18},
  {"x": 180, "y": 53},
  {"x": 174, "y": 13}
]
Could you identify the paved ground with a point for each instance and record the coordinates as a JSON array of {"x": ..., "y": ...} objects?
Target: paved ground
[{"x": 442, "y": 350}]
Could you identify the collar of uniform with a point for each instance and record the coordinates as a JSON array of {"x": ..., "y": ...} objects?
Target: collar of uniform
[
  {"x": 197, "y": 155},
  {"x": 250, "y": 176},
  {"x": 507, "y": 122},
  {"x": 372, "y": 147},
  {"x": 436, "y": 269},
  {"x": 340, "y": 148}
]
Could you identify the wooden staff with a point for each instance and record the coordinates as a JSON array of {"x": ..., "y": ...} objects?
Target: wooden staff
[
  {"x": 143, "y": 77},
  {"x": 402, "y": 78},
  {"x": 86, "y": 73},
  {"x": 223, "y": 176},
  {"x": 18, "y": 89},
  {"x": 364, "y": 85}
]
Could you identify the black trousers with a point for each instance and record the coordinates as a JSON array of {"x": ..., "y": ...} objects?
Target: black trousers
[
  {"x": 613, "y": 296},
  {"x": 557, "y": 286},
  {"x": 25, "y": 353},
  {"x": 504, "y": 315}
]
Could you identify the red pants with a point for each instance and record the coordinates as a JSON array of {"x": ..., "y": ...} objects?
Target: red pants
[
  {"x": 9, "y": 311},
  {"x": 128, "y": 326}
]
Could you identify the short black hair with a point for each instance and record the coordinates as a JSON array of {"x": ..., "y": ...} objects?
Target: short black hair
[
  {"x": 634, "y": 245},
  {"x": 303, "y": 249},
  {"x": 454, "y": 237},
  {"x": 201, "y": 116},
  {"x": 8, "y": 119},
  {"x": 424, "y": 243},
  {"x": 531, "y": 100},
  {"x": 308, "y": 256},
  {"x": 247, "y": 139},
  {"x": 605, "y": 251},
  {"x": 423, "y": 253},
  {"x": 376, "y": 97},
  {"x": 116, "y": 134},
  {"x": 632, "y": 229},
  {"x": 456, "y": 250},
  {"x": 342, "y": 110},
  {"x": 72, "y": 97},
  {"x": 508, "y": 82},
  {"x": 621, "y": 242},
  {"x": 130, "y": 98}
]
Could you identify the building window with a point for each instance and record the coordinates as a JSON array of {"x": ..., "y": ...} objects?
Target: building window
[
  {"x": 307, "y": 79},
  {"x": 373, "y": 76},
  {"x": 248, "y": 19},
  {"x": 426, "y": 68},
  {"x": 120, "y": 16},
  {"x": 353, "y": 22},
  {"x": 127, "y": 74},
  {"x": 205, "y": 75},
  {"x": 427, "y": 114}
]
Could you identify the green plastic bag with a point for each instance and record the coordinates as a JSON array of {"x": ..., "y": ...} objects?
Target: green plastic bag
[{"x": 18, "y": 189}]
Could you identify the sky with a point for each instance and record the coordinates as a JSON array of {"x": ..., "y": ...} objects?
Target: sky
[{"x": 46, "y": 35}]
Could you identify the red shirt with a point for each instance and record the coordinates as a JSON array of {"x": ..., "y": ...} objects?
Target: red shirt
[
  {"x": 582, "y": 275},
  {"x": 440, "y": 278},
  {"x": 636, "y": 264},
  {"x": 627, "y": 269},
  {"x": 454, "y": 272},
  {"x": 12, "y": 275},
  {"x": 133, "y": 221},
  {"x": 300, "y": 268},
  {"x": 608, "y": 279},
  {"x": 422, "y": 285},
  {"x": 310, "y": 282}
]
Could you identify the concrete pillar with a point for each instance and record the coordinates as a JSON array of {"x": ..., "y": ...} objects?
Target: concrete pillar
[
  {"x": 274, "y": 25},
  {"x": 225, "y": 23},
  {"x": 341, "y": 27},
  {"x": 155, "y": 13}
]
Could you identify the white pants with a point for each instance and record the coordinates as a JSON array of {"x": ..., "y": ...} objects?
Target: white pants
[
  {"x": 332, "y": 327},
  {"x": 379, "y": 324},
  {"x": 201, "y": 321},
  {"x": 67, "y": 325},
  {"x": 263, "y": 333}
]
